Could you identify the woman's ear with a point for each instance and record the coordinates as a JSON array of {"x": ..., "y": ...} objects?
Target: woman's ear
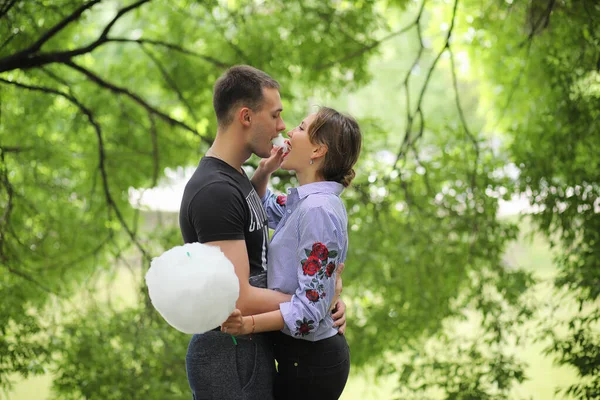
[{"x": 320, "y": 151}]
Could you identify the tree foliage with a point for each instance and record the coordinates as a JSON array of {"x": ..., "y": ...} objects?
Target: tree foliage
[{"x": 98, "y": 97}]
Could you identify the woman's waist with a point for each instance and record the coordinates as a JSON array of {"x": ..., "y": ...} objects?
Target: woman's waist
[{"x": 287, "y": 343}]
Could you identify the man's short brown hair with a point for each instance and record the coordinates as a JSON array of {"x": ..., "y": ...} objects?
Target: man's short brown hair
[{"x": 241, "y": 85}]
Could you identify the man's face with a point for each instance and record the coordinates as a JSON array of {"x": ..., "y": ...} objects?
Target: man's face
[{"x": 266, "y": 123}]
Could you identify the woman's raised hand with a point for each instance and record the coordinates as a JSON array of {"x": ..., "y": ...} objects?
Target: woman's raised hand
[{"x": 272, "y": 164}]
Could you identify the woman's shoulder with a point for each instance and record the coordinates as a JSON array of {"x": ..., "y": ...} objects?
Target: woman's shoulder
[
  {"x": 325, "y": 201},
  {"x": 322, "y": 205}
]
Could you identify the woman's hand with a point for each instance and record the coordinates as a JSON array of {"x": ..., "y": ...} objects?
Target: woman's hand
[
  {"x": 235, "y": 324},
  {"x": 271, "y": 164}
]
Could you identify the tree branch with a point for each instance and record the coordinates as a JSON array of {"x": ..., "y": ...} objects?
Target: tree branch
[
  {"x": 155, "y": 154},
  {"x": 28, "y": 278},
  {"x": 120, "y": 13},
  {"x": 446, "y": 46},
  {"x": 464, "y": 120},
  {"x": 366, "y": 48},
  {"x": 244, "y": 58},
  {"x": 5, "y": 7},
  {"x": 171, "y": 82},
  {"x": 174, "y": 47},
  {"x": 544, "y": 17},
  {"x": 57, "y": 28},
  {"x": 406, "y": 83},
  {"x": 56, "y": 77},
  {"x": 9, "y": 203},
  {"x": 101, "y": 154},
  {"x": 14, "y": 149},
  {"x": 120, "y": 90},
  {"x": 26, "y": 59}
]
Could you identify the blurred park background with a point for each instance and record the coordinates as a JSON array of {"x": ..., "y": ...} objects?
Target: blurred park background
[{"x": 474, "y": 263}]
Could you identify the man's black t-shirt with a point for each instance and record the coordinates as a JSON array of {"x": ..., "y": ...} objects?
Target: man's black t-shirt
[{"x": 220, "y": 203}]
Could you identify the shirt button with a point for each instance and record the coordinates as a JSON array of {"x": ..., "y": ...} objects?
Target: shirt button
[
  {"x": 289, "y": 211},
  {"x": 295, "y": 364}
]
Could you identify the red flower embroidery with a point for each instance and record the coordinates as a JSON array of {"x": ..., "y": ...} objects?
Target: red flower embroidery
[
  {"x": 330, "y": 269},
  {"x": 304, "y": 327},
  {"x": 320, "y": 251},
  {"x": 312, "y": 295},
  {"x": 281, "y": 200},
  {"x": 311, "y": 266}
]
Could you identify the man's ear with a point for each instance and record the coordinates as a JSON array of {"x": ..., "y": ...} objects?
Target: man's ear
[{"x": 245, "y": 116}]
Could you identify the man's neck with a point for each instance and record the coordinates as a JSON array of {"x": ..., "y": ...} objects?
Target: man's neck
[{"x": 229, "y": 148}]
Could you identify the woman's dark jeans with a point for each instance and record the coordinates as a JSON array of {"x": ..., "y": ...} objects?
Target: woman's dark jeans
[{"x": 317, "y": 370}]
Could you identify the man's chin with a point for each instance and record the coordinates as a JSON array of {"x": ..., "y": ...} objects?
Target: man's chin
[{"x": 264, "y": 154}]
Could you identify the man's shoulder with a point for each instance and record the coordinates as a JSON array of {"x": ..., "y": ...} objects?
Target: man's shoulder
[{"x": 210, "y": 173}]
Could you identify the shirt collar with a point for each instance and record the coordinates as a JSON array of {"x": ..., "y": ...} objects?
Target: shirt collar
[{"x": 327, "y": 187}]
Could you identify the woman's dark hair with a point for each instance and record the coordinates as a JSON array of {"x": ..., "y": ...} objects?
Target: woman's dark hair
[{"x": 341, "y": 134}]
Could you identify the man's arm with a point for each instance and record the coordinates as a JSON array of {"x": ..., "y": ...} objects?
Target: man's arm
[{"x": 252, "y": 300}]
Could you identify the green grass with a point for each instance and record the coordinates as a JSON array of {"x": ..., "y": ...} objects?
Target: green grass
[{"x": 532, "y": 253}]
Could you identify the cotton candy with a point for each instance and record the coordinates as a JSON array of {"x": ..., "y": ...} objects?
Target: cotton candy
[
  {"x": 193, "y": 287},
  {"x": 279, "y": 141}
]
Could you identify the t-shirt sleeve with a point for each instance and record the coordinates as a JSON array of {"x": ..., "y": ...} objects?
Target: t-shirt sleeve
[{"x": 218, "y": 212}]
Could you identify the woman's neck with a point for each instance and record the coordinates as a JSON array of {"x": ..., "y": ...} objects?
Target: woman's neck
[{"x": 306, "y": 177}]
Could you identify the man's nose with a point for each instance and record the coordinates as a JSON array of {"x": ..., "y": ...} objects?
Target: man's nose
[{"x": 282, "y": 126}]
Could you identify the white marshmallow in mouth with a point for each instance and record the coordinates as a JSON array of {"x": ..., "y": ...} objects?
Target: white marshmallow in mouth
[{"x": 279, "y": 141}]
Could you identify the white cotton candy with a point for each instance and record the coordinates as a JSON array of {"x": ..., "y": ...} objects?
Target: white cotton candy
[
  {"x": 279, "y": 141},
  {"x": 194, "y": 287}
]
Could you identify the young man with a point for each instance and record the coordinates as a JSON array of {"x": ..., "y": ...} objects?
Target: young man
[{"x": 221, "y": 207}]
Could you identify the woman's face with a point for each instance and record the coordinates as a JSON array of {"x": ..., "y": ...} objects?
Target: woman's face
[{"x": 300, "y": 148}]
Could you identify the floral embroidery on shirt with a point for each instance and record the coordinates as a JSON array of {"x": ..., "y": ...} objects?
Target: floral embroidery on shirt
[
  {"x": 330, "y": 269},
  {"x": 281, "y": 200},
  {"x": 320, "y": 250},
  {"x": 314, "y": 291},
  {"x": 304, "y": 327},
  {"x": 317, "y": 264},
  {"x": 311, "y": 266},
  {"x": 312, "y": 295}
]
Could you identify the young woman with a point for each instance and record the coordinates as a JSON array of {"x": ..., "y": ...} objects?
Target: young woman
[{"x": 309, "y": 242}]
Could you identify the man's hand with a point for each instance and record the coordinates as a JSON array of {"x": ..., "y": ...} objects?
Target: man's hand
[
  {"x": 339, "y": 316},
  {"x": 338, "y": 286},
  {"x": 338, "y": 307}
]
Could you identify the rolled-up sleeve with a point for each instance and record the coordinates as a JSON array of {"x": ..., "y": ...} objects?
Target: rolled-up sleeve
[
  {"x": 275, "y": 207},
  {"x": 316, "y": 258}
]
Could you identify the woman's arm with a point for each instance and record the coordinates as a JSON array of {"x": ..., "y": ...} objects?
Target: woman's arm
[
  {"x": 266, "y": 167},
  {"x": 317, "y": 258},
  {"x": 320, "y": 248},
  {"x": 237, "y": 324}
]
